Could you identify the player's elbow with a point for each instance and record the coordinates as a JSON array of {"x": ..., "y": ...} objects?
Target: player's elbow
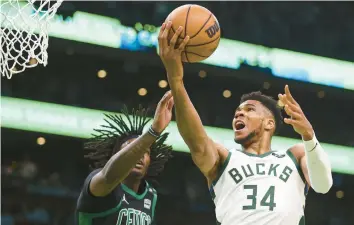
[
  {"x": 100, "y": 186},
  {"x": 324, "y": 186},
  {"x": 322, "y": 190}
]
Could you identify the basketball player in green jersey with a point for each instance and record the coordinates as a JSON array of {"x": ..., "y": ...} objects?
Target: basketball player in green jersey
[
  {"x": 125, "y": 160},
  {"x": 255, "y": 185}
]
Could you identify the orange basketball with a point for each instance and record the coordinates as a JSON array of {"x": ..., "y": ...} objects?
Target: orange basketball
[{"x": 202, "y": 27}]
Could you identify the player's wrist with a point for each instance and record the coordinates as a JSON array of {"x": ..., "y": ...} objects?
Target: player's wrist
[
  {"x": 174, "y": 77},
  {"x": 175, "y": 83},
  {"x": 174, "y": 72},
  {"x": 308, "y": 135},
  {"x": 154, "y": 132},
  {"x": 311, "y": 143}
]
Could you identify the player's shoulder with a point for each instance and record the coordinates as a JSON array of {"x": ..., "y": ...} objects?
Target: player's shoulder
[
  {"x": 89, "y": 203},
  {"x": 297, "y": 151},
  {"x": 95, "y": 171},
  {"x": 92, "y": 174},
  {"x": 151, "y": 189},
  {"x": 297, "y": 148},
  {"x": 233, "y": 150}
]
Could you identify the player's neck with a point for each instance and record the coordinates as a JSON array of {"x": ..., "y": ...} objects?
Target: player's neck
[
  {"x": 133, "y": 184},
  {"x": 258, "y": 147}
]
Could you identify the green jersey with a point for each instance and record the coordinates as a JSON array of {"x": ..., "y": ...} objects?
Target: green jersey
[{"x": 121, "y": 207}]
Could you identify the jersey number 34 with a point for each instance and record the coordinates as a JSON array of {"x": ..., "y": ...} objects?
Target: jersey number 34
[{"x": 267, "y": 200}]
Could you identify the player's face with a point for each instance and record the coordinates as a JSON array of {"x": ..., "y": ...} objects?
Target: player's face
[
  {"x": 142, "y": 165},
  {"x": 248, "y": 122}
]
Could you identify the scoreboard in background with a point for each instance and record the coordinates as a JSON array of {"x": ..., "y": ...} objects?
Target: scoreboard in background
[{"x": 105, "y": 31}]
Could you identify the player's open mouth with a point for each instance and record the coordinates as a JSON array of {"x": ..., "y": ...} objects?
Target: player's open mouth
[
  {"x": 239, "y": 125},
  {"x": 139, "y": 164}
]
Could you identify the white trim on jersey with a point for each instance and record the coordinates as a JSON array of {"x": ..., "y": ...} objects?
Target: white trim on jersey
[{"x": 259, "y": 189}]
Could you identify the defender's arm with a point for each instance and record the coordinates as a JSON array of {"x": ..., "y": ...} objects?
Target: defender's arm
[{"x": 120, "y": 164}]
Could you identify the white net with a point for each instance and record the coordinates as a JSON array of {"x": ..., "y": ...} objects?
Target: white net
[{"x": 24, "y": 33}]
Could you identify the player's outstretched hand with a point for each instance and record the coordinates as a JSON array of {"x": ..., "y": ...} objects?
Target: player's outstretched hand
[
  {"x": 169, "y": 52},
  {"x": 163, "y": 113},
  {"x": 297, "y": 118}
]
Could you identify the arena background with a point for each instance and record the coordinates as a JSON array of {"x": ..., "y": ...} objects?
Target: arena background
[{"x": 101, "y": 63}]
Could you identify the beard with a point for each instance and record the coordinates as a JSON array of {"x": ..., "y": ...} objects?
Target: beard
[{"x": 246, "y": 139}]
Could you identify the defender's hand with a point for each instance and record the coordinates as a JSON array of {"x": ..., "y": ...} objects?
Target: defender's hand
[
  {"x": 169, "y": 53},
  {"x": 163, "y": 113},
  {"x": 298, "y": 119}
]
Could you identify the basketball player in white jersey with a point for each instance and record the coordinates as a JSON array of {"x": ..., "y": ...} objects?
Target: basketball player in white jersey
[{"x": 253, "y": 186}]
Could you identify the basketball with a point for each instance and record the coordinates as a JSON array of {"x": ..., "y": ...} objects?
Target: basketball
[{"x": 202, "y": 27}]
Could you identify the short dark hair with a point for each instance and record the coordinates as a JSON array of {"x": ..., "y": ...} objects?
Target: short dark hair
[
  {"x": 269, "y": 103},
  {"x": 118, "y": 129}
]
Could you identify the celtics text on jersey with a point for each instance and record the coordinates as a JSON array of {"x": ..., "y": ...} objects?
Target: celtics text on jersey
[{"x": 121, "y": 207}]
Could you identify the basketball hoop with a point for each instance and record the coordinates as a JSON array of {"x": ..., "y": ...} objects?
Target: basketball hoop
[{"x": 24, "y": 33}]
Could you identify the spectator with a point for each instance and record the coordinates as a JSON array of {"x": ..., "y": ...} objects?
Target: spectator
[{"x": 28, "y": 169}]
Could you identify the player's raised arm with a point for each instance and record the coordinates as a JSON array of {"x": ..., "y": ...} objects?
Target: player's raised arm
[
  {"x": 205, "y": 154},
  {"x": 119, "y": 165},
  {"x": 313, "y": 159}
]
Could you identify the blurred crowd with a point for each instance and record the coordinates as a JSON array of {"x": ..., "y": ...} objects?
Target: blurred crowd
[{"x": 30, "y": 197}]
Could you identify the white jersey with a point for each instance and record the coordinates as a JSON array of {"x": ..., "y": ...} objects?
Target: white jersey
[{"x": 260, "y": 190}]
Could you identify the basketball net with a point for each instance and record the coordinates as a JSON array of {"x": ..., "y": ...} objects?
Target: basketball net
[{"x": 24, "y": 33}]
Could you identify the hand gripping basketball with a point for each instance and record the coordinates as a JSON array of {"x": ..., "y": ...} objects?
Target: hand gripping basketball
[
  {"x": 170, "y": 53},
  {"x": 201, "y": 26}
]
